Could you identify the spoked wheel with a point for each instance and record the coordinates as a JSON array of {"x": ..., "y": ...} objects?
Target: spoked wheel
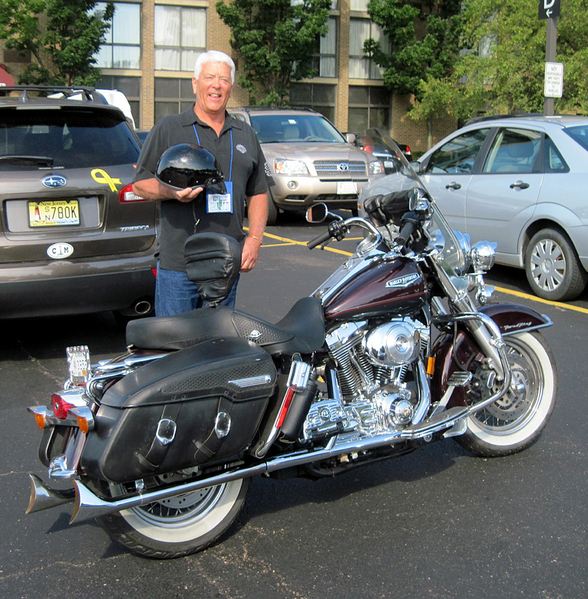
[
  {"x": 179, "y": 525},
  {"x": 516, "y": 420}
]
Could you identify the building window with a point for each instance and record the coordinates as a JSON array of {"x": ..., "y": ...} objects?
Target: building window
[
  {"x": 130, "y": 87},
  {"x": 172, "y": 96},
  {"x": 360, "y": 66},
  {"x": 180, "y": 37},
  {"x": 359, "y": 5},
  {"x": 317, "y": 96},
  {"x": 325, "y": 59},
  {"x": 369, "y": 106},
  {"x": 122, "y": 48}
]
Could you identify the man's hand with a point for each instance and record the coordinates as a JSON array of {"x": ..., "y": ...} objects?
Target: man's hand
[
  {"x": 250, "y": 254},
  {"x": 188, "y": 194},
  {"x": 152, "y": 189}
]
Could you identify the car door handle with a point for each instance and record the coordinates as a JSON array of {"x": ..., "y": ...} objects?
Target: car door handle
[
  {"x": 453, "y": 185},
  {"x": 519, "y": 184}
]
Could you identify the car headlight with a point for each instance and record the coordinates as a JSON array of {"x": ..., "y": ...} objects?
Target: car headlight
[
  {"x": 376, "y": 167},
  {"x": 290, "y": 167}
]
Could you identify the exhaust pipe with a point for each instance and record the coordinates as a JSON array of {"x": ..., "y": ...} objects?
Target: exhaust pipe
[
  {"x": 43, "y": 498},
  {"x": 87, "y": 505},
  {"x": 142, "y": 307}
]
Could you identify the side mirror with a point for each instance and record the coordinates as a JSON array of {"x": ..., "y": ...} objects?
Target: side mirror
[
  {"x": 350, "y": 137},
  {"x": 317, "y": 214},
  {"x": 418, "y": 167}
]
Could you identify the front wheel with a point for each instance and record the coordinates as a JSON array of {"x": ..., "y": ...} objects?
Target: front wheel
[
  {"x": 180, "y": 525},
  {"x": 516, "y": 421}
]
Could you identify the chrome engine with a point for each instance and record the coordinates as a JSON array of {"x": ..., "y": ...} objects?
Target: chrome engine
[{"x": 381, "y": 377}]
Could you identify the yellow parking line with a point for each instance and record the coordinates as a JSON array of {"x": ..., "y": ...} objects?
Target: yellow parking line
[
  {"x": 540, "y": 300},
  {"x": 520, "y": 294},
  {"x": 288, "y": 241}
]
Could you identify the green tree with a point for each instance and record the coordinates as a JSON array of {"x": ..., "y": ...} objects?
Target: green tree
[
  {"x": 501, "y": 69},
  {"x": 276, "y": 40},
  {"x": 424, "y": 36},
  {"x": 62, "y": 37}
]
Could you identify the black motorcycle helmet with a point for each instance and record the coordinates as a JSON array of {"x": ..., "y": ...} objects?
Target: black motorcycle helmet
[{"x": 189, "y": 165}]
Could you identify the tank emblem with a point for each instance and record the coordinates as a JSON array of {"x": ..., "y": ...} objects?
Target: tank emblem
[{"x": 403, "y": 281}]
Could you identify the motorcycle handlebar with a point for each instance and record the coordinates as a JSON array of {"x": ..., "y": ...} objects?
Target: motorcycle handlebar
[
  {"x": 408, "y": 227},
  {"x": 319, "y": 240},
  {"x": 339, "y": 229}
]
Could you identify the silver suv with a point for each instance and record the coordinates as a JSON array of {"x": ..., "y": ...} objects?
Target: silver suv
[
  {"x": 74, "y": 238},
  {"x": 309, "y": 159}
]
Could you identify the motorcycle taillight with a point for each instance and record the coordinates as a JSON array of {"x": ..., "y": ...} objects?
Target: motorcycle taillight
[{"x": 61, "y": 407}]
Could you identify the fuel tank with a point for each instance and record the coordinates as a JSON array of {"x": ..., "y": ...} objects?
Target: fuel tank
[{"x": 397, "y": 287}]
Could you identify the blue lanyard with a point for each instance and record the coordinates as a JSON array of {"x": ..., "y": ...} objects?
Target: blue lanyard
[{"x": 231, "y": 133}]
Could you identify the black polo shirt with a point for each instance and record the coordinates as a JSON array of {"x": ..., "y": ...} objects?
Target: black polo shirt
[{"x": 179, "y": 220}]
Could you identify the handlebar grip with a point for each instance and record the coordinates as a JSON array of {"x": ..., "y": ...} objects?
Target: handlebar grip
[
  {"x": 319, "y": 240},
  {"x": 407, "y": 230}
]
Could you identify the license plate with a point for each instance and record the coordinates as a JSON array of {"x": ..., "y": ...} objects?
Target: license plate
[
  {"x": 346, "y": 187},
  {"x": 56, "y": 213}
]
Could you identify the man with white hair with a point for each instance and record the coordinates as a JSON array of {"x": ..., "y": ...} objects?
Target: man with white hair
[{"x": 182, "y": 213}]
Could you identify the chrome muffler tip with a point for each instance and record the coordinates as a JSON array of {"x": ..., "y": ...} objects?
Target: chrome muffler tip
[
  {"x": 88, "y": 506},
  {"x": 43, "y": 497}
]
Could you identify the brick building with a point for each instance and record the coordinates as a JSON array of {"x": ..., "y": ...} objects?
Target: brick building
[{"x": 153, "y": 44}]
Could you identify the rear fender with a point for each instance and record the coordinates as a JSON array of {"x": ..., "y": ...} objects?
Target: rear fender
[{"x": 460, "y": 352}]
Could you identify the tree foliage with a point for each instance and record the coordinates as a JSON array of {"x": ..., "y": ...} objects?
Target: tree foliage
[
  {"x": 501, "y": 69},
  {"x": 424, "y": 37},
  {"x": 62, "y": 37},
  {"x": 276, "y": 40}
]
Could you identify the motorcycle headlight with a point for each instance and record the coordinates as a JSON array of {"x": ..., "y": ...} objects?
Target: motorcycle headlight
[
  {"x": 483, "y": 255},
  {"x": 376, "y": 167},
  {"x": 290, "y": 167}
]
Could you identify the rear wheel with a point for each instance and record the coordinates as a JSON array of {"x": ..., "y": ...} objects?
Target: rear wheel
[
  {"x": 516, "y": 421},
  {"x": 552, "y": 267},
  {"x": 179, "y": 525}
]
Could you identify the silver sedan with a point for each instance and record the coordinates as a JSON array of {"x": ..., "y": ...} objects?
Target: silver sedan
[{"x": 521, "y": 182}]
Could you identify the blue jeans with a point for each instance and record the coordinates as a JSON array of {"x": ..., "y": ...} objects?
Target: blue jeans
[{"x": 175, "y": 293}]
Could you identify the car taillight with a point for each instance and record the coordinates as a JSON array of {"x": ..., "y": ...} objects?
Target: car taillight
[
  {"x": 408, "y": 150},
  {"x": 367, "y": 149},
  {"x": 61, "y": 407},
  {"x": 127, "y": 196}
]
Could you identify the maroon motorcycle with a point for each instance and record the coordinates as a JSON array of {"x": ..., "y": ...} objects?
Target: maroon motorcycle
[{"x": 389, "y": 354}]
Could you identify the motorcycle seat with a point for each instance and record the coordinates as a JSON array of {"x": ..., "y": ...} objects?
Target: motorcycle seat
[{"x": 302, "y": 330}]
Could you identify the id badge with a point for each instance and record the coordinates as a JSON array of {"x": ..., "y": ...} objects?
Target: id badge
[{"x": 220, "y": 203}]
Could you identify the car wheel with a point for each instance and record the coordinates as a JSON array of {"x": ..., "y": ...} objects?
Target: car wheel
[
  {"x": 553, "y": 269},
  {"x": 272, "y": 210}
]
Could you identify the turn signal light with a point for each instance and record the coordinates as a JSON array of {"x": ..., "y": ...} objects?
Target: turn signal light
[
  {"x": 40, "y": 420},
  {"x": 83, "y": 424}
]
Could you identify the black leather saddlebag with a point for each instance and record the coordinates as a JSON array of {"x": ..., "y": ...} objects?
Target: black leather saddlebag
[{"x": 198, "y": 406}]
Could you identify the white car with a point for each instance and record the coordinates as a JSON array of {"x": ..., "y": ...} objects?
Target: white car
[{"x": 523, "y": 183}]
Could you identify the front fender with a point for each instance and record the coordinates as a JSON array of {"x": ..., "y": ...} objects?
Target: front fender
[
  {"x": 514, "y": 318},
  {"x": 460, "y": 353}
]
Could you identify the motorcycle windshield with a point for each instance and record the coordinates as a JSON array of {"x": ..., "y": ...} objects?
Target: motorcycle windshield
[{"x": 450, "y": 244}]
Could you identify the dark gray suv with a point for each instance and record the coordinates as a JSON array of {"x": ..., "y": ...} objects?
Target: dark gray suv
[{"x": 73, "y": 236}]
